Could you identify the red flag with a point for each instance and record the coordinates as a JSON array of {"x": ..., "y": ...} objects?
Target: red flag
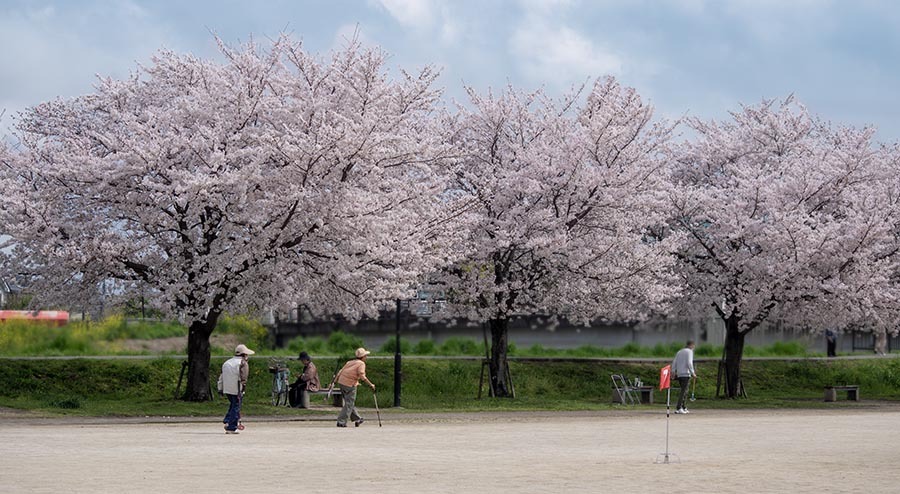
[{"x": 664, "y": 375}]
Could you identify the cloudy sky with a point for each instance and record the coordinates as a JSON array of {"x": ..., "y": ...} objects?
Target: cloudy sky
[{"x": 695, "y": 57}]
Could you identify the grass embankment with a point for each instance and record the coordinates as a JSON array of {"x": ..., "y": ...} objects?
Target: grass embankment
[
  {"x": 146, "y": 387},
  {"x": 108, "y": 337}
]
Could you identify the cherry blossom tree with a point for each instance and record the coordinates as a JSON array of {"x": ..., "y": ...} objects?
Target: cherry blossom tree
[
  {"x": 270, "y": 176},
  {"x": 787, "y": 218},
  {"x": 565, "y": 194}
]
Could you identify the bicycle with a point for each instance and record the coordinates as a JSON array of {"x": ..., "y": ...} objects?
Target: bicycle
[{"x": 280, "y": 382}]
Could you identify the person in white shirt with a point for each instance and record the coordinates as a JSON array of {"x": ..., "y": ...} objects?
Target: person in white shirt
[
  {"x": 233, "y": 383},
  {"x": 683, "y": 369}
]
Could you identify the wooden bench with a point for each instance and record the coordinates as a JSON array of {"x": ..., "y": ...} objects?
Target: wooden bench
[
  {"x": 646, "y": 394},
  {"x": 337, "y": 398},
  {"x": 831, "y": 392}
]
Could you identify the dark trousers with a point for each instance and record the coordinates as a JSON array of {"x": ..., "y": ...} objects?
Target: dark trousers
[
  {"x": 234, "y": 412},
  {"x": 832, "y": 347},
  {"x": 685, "y": 383}
]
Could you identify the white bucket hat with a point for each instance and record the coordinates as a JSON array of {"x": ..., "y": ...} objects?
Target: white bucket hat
[
  {"x": 243, "y": 350},
  {"x": 361, "y": 352}
]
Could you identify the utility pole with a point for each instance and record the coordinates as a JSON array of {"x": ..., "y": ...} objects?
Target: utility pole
[{"x": 398, "y": 374}]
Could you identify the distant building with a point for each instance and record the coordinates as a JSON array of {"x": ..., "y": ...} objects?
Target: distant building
[
  {"x": 4, "y": 293},
  {"x": 9, "y": 293}
]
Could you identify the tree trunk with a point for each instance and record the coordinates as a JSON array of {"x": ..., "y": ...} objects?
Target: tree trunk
[
  {"x": 198, "y": 384},
  {"x": 499, "y": 365},
  {"x": 734, "y": 352},
  {"x": 881, "y": 342}
]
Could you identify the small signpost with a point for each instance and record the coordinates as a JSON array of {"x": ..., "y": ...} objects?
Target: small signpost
[{"x": 429, "y": 301}]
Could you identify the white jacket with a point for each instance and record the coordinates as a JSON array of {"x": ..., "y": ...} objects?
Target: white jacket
[
  {"x": 683, "y": 365},
  {"x": 234, "y": 375}
]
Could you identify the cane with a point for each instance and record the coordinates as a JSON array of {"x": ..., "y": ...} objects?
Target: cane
[
  {"x": 240, "y": 425},
  {"x": 334, "y": 378},
  {"x": 377, "y": 413},
  {"x": 693, "y": 387}
]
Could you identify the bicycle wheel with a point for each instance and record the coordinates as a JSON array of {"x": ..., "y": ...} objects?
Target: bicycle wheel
[
  {"x": 285, "y": 386},
  {"x": 280, "y": 388},
  {"x": 276, "y": 394}
]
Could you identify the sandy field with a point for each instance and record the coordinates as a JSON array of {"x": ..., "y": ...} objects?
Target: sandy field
[{"x": 838, "y": 450}]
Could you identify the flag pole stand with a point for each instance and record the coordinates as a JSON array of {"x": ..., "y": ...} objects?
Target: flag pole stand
[{"x": 667, "y": 457}]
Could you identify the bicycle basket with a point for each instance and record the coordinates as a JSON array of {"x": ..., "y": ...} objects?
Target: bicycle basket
[{"x": 276, "y": 365}]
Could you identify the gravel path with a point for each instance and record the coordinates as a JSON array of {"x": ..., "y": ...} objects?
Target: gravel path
[{"x": 839, "y": 450}]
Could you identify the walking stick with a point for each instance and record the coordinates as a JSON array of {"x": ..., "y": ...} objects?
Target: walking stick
[
  {"x": 240, "y": 425},
  {"x": 333, "y": 380},
  {"x": 377, "y": 413}
]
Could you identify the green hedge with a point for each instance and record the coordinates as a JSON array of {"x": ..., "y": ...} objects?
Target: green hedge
[{"x": 146, "y": 387}]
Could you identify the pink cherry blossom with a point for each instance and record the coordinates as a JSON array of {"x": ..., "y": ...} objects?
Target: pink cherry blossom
[
  {"x": 788, "y": 219},
  {"x": 265, "y": 178},
  {"x": 567, "y": 192}
]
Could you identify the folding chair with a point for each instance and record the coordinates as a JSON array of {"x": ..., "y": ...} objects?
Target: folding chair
[{"x": 626, "y": 392}]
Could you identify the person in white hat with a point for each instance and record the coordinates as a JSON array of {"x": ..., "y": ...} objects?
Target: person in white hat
[
  {"x": 348, "y": 379},
  {"x": 233, "y": 382}
]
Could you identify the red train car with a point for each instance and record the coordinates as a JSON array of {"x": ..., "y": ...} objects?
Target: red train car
[{"x": 54, "y": 317}]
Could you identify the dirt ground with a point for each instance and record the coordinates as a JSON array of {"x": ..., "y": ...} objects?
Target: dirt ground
[
  {"x": 176, "y": 343},
  {"x": 838, "y": 450}
]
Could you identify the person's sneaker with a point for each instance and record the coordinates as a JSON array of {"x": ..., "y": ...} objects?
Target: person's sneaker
[
  {"x": 359, "y": 422},
  {"x": 685, "y": 410},
  {"x": 231, "y": 432},
  {"x": 341, "y": 425},
  {"x": 680, "y": 411}
]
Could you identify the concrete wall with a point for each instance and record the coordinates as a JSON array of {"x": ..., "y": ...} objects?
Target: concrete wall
[{"x": 533, "y": 330}]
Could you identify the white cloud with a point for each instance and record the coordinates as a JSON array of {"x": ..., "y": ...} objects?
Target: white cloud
[
  {"x": 412, "y": 13},
  {"x": 695, "y": 7},
  {"x": 769, "y": 21},
  {"x": 559, "y": 55},
  {"x": 425, "y": 18},
  {"x": 750, "y": 7},
  {"x": 451, "y": 29},
  {"x": 545, "y": 6},
  {"x": 59, "y": 52},
  {"x": 347, "y": 33}
]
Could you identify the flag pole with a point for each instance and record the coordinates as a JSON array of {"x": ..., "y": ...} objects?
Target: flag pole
[
  {"x": 668, "y": 402},
  {"x": 665, "y": 383}
]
